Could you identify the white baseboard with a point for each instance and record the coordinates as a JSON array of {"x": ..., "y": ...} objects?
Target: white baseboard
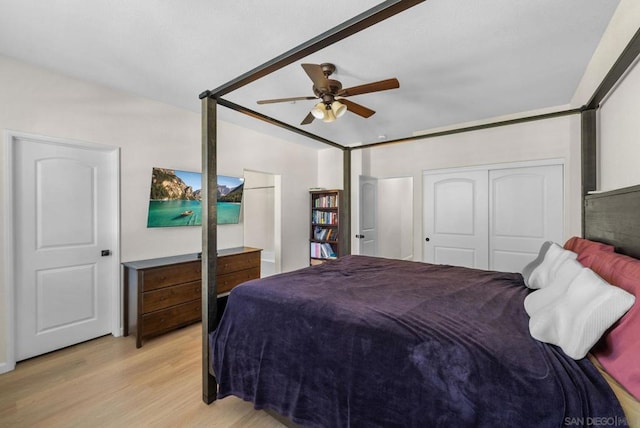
[{"x": 6, "y": 367}]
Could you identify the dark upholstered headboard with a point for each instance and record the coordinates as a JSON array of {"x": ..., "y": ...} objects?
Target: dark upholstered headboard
[{"x": 614, "y": 218}]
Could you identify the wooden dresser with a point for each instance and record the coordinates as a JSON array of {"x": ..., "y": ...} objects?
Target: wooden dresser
[{"x": 164, "y": 294}]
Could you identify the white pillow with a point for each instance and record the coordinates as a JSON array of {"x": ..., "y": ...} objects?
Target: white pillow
[
  {"x": 531, "y": 266},
  {"x": 566, "y": 272},
  {"x": 581, "y": 315},
  {"x": 545, "y": 272}
]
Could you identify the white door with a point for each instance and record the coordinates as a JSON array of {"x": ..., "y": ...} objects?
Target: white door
[
  {"x": 492, "y": 217},
  {"x": 368, "y": 216},
  {"x": 455, "y": 218},
  {"x": 65, "y": 215},
  {"x": 526, "y": 209}
]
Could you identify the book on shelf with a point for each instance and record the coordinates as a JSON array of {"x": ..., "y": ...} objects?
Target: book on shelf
[
  {"x": 322, "y": 250},
  {"x": 326, "y": 201},
  {"x": 324, "y": 233},
  {"x": 323, "y": 217}
]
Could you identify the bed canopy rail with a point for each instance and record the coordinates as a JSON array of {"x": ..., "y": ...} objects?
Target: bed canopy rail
[
  {"x": 358, "y": 23},
  {"x": 210, "y": 99}
]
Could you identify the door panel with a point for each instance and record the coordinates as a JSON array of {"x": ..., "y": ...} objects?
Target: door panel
[
  {"x": 65, "y": 214},
  {"x": 526, "y": 210},
  {"x": 455, "y": 256},
  {"x": 455, "y": 223},
  {"x": 65, "y": 297},
  {"x": 368, "y": 216}
]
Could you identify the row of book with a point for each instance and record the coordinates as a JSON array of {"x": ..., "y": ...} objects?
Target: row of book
[
  {"x": 323, "y": 217},
  {"x": 327, "y": 201},
  {"x": 322, "y": 251},
  {"x": 325, "y": 234}
]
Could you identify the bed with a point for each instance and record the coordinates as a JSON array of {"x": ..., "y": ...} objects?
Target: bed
[
  {"x": 371, "y": 342},
  {"x": 374, "y": 342},
  {"x": 490, "y": 374}
]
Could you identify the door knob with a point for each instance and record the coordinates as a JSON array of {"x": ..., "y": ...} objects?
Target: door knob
[
  {"x": 359, "y": 236},
  {"x": 104, "y": 253},
  {"x": 427, "y": 239}
]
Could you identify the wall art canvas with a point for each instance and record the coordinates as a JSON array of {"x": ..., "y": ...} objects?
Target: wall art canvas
[{"x": 175, "y": 198}]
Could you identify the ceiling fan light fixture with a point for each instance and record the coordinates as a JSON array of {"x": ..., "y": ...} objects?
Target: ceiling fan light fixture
[
  {"x": 318, "y": 111},
  {"x": 338, "y": 108},
  {"x": 329, "y": 116}
]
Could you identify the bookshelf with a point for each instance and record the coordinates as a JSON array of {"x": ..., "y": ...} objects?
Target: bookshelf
[{"x": 325, "y": 239}]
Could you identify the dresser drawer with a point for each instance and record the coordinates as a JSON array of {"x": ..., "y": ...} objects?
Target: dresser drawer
[
  {"x": 228, "y": 281},
  {"x": 170, "y": 296},
  {"x": 237, "y": 262},
  {"x": 168, "y": 319},
  {"x": 170, "y": 275}
]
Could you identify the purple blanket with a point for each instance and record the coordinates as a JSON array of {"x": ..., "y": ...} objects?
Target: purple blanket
[{"x": 371, "y": 342}]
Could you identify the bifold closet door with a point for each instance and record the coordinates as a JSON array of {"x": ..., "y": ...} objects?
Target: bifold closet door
[{"x": 525, "y": 209}]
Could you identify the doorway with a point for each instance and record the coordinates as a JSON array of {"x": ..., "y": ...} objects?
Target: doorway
[
  {"x": 261, "y": 211},
  {"x": 386, "y": 217},
  {"x": 64, "y": 244}
]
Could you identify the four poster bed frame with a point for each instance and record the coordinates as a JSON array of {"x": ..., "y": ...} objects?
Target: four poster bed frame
[{"x": 610, "y": 217}]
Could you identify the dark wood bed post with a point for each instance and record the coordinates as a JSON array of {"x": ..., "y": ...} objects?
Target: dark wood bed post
[
  {"x": 346, "y": 203},
  {"x": 589, "y": 127},
  {"x": 209, "y": 242},
  {"x": 589, "y": 156}
]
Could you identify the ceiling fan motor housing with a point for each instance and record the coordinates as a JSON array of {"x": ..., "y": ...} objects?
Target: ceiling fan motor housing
[
  {"x": 332, "y": 87},
  {"x": 327, "y": 68}
]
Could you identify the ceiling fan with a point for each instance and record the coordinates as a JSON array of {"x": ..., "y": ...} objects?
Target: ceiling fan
[{"x": 333, "y": 103}]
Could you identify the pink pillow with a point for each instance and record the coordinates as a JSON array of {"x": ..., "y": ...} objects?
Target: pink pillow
[
  {"x": 619, "y": 349},
  {"x": 580, "y": 245}
]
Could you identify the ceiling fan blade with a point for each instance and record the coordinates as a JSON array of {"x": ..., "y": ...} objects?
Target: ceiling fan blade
[
  {"x": 357, "y": 108},
  {"x": 315, "y": 73},
  {"x": 284, "y": 100},
  {"x": 382, "y": 85},
  {"x": 307, "y": 120}
]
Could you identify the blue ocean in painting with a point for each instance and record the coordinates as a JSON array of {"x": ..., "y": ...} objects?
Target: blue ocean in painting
[{"x": 188, "y": 213}]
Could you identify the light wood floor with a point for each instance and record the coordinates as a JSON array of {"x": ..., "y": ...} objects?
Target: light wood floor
[{"x": 107, "y": 382}]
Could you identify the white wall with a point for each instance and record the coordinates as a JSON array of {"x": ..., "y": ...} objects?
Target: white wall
[
  {"x": 40, "y": 102},
  {"x": 330, "y": 163},
  {"x": 619, "y": 135},
  {"x": 395, "y": 218}
]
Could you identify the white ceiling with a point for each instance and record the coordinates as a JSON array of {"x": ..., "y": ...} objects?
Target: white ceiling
[{"x": 457, "y": 60}]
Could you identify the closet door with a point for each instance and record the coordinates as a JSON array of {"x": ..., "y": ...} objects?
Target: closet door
[
  {"x": 525, "y": 209},
  {"x": 491, "y": 217},
  {"x": 456, "y": 218}
]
